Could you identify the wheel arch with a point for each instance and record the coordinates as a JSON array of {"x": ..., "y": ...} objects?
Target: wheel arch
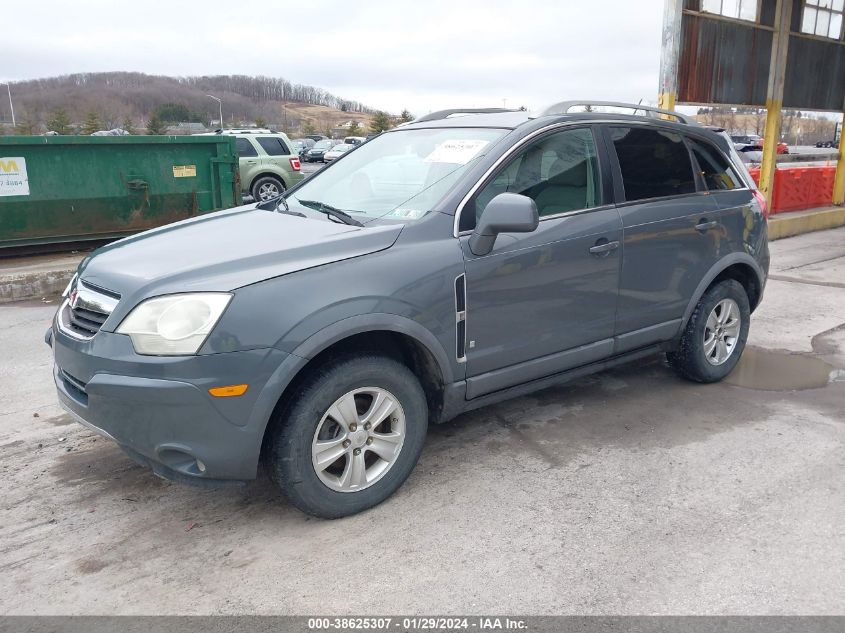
[
  {"x": 397, "y": 337},
  {"x": 271, "y": 174},
  {"x": 738, "y": 266}
]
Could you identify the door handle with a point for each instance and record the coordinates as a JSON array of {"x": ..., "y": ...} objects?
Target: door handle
[
  {"x": 704, "y": 225},
  {"x": 603, "y": 247}
]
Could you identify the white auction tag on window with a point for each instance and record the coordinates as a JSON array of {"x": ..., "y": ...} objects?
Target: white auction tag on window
[{"x": 457, "y": 152}]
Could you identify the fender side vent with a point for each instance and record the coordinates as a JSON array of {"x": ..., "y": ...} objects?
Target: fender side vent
[{"x": 460, "y": 318}]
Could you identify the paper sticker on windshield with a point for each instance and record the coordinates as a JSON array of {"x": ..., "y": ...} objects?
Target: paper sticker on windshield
[
  {"x": 410, "y": 214},
  {"x": 457, "y": 151}
]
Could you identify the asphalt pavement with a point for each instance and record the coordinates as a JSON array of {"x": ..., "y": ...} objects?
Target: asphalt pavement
[{"x": 629, "y": 492}]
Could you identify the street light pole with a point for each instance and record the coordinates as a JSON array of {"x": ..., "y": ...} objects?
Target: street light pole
[
  {"x": 219, "y": 105},
  {"x": 11, "y": 107}
]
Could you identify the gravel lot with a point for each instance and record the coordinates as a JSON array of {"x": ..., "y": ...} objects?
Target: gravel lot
[{"x": 630, "y": 492}]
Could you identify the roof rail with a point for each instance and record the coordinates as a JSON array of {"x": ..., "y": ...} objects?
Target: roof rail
[
  {"x": 564, "y": 106},
  {"x": 445, "y": 114}
]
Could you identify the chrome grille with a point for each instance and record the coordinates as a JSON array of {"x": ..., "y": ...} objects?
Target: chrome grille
[{"x": 85, "y": 309}]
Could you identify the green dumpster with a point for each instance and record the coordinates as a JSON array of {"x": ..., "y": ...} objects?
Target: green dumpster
[{"x": 57, "y": 189}]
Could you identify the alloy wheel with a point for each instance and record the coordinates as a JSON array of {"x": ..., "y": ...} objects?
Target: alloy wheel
[
  {"x": 358, "y": 439},
  {"x": 721, "y": 332}
]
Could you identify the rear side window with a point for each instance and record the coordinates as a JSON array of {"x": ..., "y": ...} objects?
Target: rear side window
[
  {"x": 654, "y": 163},
  {"x": 272, "y": 145},
  {"x": 716, "y": 170},
  {"x": 245, "y": 148}
]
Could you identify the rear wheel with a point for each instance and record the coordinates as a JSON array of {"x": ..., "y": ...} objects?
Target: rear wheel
[
  {"x": 715, "y": 335},
  {"x": 351, "y": 437},
  {"x": 267, "y": 188}
]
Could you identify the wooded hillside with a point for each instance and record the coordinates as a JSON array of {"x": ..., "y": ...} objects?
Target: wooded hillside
[{"x": 117, "y": 98}]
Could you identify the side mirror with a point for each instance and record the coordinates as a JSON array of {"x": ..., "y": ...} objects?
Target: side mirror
[{"x": 506, "y": 213}]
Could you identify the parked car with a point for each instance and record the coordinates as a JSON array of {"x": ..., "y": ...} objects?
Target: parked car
[
  {"x": 302, "y": 145},
  {"x": 316, "y": 137},
  {"x": 317, "y": 153},
  {"x": 754, "y": 143},
  {"x": 268, "y": 162},
  {"x": 442, "y": 266},
  {"x": 354, "y": 140},
  {"x": 337, "y": 151}
]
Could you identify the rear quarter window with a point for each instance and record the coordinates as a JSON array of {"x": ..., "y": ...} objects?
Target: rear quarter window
[
  {"x": 654, "y": 163},
  {"x": 716, "y": 171},
  {"x": 273, "y": 145}
]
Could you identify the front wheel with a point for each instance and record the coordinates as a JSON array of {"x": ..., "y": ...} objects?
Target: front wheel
[
  {"x": 715, "y": 334},
  {"x": 351, "y": 437}
]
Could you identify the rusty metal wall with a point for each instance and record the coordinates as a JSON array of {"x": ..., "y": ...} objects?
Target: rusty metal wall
[
  {"x": 725, "y": 61},
  {"x": 815, "y": 74}
]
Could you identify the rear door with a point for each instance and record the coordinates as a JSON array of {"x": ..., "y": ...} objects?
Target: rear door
[
  {"x": 733, "y": 198},
  {"x": 671, "y": 231}
]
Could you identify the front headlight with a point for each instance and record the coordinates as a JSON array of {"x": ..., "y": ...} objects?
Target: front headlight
[{"x": 174, "y": 325}]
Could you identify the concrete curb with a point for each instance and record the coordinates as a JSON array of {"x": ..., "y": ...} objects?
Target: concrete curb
[
  {"x": 798, "y": 222},
  {"x": 34, "y": 285}
]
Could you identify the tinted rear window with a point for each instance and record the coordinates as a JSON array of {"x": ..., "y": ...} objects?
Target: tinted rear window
[
  {"x": 274, "y": 146},
  {"x": 654, "y": 163},
  {"x": 716, "y": 170}
]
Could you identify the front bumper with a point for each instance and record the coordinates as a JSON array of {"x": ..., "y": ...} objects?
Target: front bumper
[{"x": 158, "y": 408}]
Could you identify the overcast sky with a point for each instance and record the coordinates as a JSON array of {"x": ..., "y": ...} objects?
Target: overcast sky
[{"x": 389, "y": 55}]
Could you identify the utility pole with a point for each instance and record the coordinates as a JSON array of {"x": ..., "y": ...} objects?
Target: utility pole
[
  {"x": 774, "y": 98},
  {"x": 220, "y": 106},
  {"x": 839, "y": 179},
  {"x": 11, "y": 107},
  {"x": 672, "y": 10}
]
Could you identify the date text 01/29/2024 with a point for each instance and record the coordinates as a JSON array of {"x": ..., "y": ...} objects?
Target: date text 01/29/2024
[{"x": 422, "y": 623}]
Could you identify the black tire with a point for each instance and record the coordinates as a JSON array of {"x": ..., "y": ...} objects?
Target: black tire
[
  {"x": 689, "y": 360},
  {"x": 289, "y": 457},
  {"x": 267, "y": 183}
]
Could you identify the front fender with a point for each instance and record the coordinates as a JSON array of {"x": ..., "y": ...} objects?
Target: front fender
[{"x": 374, "y": 322}]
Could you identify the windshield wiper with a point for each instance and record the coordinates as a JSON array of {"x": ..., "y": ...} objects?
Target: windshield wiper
[
  {"x": 329, "y": 211},
  {"x": 273, "y": 205}
]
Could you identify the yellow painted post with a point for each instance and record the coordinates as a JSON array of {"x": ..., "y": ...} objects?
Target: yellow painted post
[
  {"x": 839, "y": 181},
  {"x": 771, "y": 136},
  {"x": 774, "y": 98}
]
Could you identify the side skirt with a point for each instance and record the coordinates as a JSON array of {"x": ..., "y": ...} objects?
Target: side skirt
[{"x": 454, "y": 397}]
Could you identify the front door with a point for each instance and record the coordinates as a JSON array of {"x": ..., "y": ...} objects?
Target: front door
[{"x": 543, "y": 302}]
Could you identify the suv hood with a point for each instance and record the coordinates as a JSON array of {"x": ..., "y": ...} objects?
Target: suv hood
[{"x": 225, "y": 250}]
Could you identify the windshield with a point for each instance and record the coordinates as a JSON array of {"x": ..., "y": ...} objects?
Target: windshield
[
  {"x": 399, "y": 175},
  {"x": 324, "y": 145}
]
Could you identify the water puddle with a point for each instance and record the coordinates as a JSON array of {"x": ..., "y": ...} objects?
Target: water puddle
[{"x": 768, "y": 370}]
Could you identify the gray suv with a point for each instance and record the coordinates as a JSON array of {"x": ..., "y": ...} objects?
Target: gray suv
[{"x": 442, "y": 266}]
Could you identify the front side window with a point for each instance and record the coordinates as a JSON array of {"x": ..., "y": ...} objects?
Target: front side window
[
  {"x": 559, "y": 172},
  {"x": 716, "y": 170},
  {"x": 737, "y": 9},
  {"x": 654, "y": 163},
  {"x": 272, "y": 145},
  {"x": 398, "y": 175},
  {"x": 245, "y": 148},
  {"x": 823, "y": 17}
]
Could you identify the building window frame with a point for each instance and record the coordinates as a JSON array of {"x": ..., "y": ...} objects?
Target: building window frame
[
  {"x": 724, "y": 8},
  {"x": 835, "y": 8}
]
